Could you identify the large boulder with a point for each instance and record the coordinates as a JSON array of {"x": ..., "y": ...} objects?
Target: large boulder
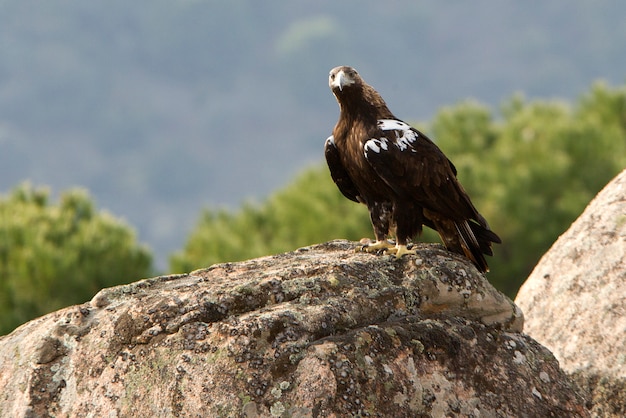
[
  {"x": 318, "y": 332},
  {"x": 575, "y": 300}
]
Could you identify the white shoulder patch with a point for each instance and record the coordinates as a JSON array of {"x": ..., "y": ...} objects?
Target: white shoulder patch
[
  {"x": 330, "y": 140},
  {"x": 392, "y": 124},
  {"x": 405, "y": 135},
  {"x": 375, "y": 145}
]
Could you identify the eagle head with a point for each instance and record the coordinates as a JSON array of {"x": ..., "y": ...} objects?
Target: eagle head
[
  {"x": 341, "y": 77},
  {"x": 354, "y": 95}
]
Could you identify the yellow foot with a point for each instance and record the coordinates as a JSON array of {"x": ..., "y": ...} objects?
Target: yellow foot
[
  {"x": 374, "y": 247},
  {"x": 399, "y": 251}
]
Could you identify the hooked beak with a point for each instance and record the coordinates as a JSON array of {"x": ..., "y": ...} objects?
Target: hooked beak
[{"x": 339, "y": 81}]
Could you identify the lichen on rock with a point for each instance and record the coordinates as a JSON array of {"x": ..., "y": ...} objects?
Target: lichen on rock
[{"x": 320, "y": 331}]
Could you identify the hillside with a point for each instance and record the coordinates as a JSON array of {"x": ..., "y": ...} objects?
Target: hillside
[{"x": 161, "y": 107}]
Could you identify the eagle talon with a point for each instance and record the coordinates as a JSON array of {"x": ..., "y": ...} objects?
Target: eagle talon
[
  {"x": 399, "y": 251},
  {"x": 376, "y": 247}
]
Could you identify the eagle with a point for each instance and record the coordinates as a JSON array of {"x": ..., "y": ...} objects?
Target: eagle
[{"x": 402, "y": 177}]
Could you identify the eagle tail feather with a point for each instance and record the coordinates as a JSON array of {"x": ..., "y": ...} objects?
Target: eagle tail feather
[
  {"x": 485, "y": 237},
  {"x": 472, "y": 247}
]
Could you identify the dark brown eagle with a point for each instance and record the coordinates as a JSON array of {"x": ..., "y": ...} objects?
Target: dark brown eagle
[{"x": 402, "y": 177}]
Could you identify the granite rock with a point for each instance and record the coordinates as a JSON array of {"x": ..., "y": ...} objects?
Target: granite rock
[
  {"x": 575, "y": 300},
  {"x": 322, "y": 331}
]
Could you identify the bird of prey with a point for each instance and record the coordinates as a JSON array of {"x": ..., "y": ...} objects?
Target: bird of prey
[{"x": 402, "y": 177}]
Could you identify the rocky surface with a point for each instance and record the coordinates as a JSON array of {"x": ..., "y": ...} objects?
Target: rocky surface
[
  {"x": 575, "y": 300},
  {"x": 318, "y": 332}
]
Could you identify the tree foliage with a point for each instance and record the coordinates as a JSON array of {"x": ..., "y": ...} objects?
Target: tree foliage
[
  {"x": 530, "y": 172},
  {"x": 54, "y": 255},
  {"x": 308, "y": 211}
]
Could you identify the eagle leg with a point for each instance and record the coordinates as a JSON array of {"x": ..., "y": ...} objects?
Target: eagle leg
[
  {"x": 380, "y": 215},
  {"x": 409, "y": 218}
]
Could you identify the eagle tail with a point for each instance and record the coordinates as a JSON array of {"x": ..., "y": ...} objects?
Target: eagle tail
[
  {"x": 484, "y": 237},
  {"x": 471, "y": 238},
  {"x": 472, "y": 247}
]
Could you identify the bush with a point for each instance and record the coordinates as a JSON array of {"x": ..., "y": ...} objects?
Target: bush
[
  {"x": 52, "y": 256},
  {"x": 308, "y": 211}
]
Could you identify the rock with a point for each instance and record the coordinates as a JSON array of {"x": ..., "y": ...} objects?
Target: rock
[
  {"x": 575, "y": 300},
  {"x": 318, "y": 332}
]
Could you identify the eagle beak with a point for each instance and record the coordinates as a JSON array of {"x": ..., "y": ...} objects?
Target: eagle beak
[{"x": 339, "y": 81}]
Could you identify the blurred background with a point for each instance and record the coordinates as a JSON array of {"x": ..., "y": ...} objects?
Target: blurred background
[{"x": 163, "y": 108}]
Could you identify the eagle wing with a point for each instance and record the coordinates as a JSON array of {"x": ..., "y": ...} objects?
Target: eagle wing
[
  {"x": 416, "y": 169},
  {"x": 338, "y": 172}
]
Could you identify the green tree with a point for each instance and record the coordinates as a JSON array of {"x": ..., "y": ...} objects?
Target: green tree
[
  {"x": 533, "y": 172},
  {"x": 530, "y": 172},
  {"x": 53, "y": 256},
  {"x": 308, "y": 211}
]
